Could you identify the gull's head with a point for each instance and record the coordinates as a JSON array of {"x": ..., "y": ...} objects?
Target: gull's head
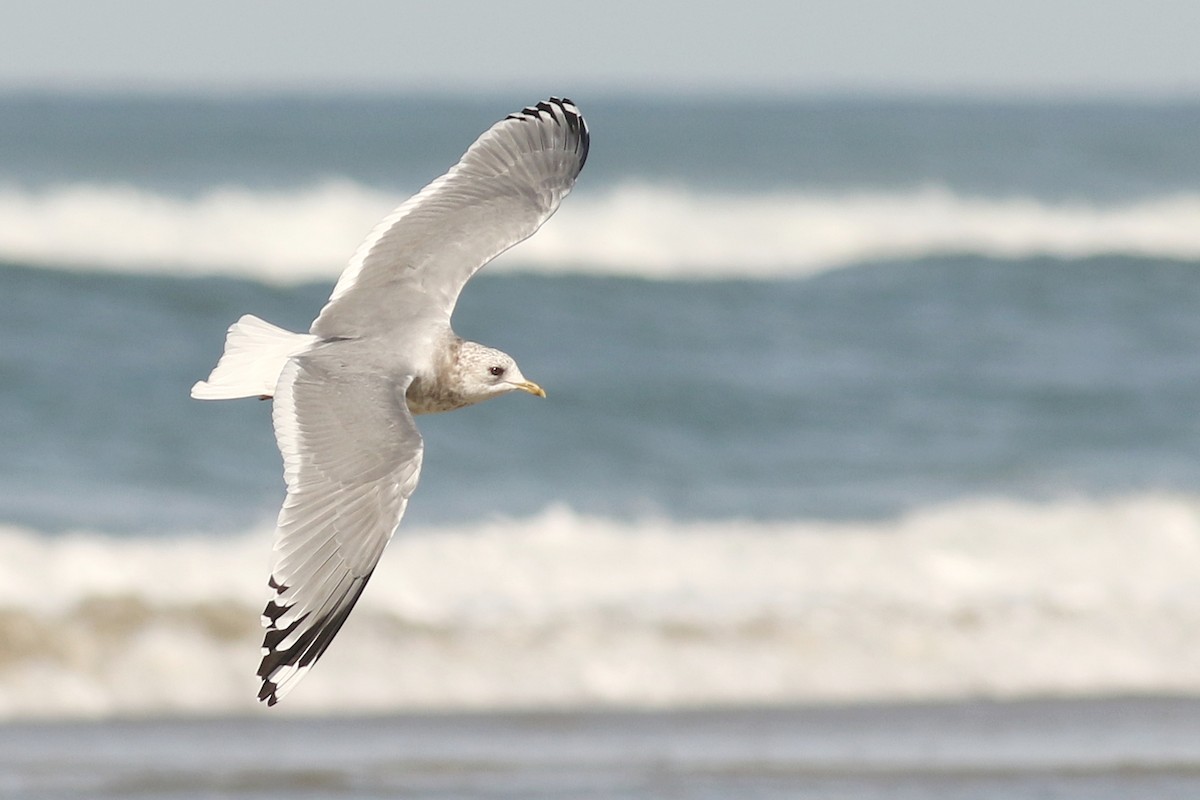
[{"x": 486, "y": 372}]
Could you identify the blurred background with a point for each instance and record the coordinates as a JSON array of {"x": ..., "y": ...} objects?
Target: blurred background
[{"x": 869, "y": 334}]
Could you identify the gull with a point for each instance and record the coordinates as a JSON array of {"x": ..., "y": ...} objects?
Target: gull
[{"x": 381, "y": 351}]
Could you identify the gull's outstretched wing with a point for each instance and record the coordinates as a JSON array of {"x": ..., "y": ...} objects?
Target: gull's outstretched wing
[
  {"x": 416, "y": 261},
  {"x": 351, "y": 457}
]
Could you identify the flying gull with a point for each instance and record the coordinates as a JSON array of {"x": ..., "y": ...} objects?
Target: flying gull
[{"x": 381, "y": 351}]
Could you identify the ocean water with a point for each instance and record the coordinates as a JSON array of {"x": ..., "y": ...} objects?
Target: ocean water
[
  {"x": 850, "y": 401},
  {"x": 1114, "y": 749}
]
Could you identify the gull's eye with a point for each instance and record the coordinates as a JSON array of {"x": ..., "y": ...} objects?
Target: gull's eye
[{"x": 497, "y": 371}]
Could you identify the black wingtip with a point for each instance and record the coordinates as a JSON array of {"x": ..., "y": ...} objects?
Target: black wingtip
[
  {"x": 564, "y": 110},
  {"x": 267, "y": 693},
  {"x": 311, "y": 641}
]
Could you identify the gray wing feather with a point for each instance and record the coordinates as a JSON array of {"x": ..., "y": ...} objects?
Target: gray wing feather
[
  {"x": 352, "y": 456},
  {"x": 416, "y": 261}
]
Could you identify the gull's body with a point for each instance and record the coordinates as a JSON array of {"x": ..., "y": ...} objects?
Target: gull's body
[{"x": 380, "y": 351}]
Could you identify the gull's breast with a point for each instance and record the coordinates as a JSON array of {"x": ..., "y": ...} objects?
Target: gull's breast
[{"x": 427, "y": 396}]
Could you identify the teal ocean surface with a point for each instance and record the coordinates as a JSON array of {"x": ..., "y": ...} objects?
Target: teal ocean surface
[
  {"x": 849, "y": 401},
  {"x": 1064, "y": 750}
]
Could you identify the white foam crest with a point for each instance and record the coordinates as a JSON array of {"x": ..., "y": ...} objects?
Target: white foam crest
[
  {"x": 993, "y": 598},
  {"x": 634, "y": 229},
  {"x": 269, "y": 235},
  {"x": 664, "y": 233}
]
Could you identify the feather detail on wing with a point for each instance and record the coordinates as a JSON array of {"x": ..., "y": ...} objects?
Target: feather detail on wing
[
  {"x": 414, "y": 264},
  {"x": 352, "y": 456}
]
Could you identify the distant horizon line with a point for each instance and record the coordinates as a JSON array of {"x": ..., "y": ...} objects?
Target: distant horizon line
[{"x": 850, "y": 92}]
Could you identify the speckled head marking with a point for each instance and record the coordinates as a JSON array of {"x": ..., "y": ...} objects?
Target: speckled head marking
[{"x": 472, "y": 374}]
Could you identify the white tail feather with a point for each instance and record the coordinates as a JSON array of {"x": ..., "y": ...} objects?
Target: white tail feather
[{"x": 255, "y": 354}]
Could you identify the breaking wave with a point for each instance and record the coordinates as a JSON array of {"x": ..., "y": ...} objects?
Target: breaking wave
[
  {"x": 642, "y": 230},
  {"x": 980, "y": 598}
]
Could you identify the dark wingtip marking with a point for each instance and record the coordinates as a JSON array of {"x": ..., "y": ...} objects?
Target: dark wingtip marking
[
  {"x": 274, "y": 611},
  {"x": 267, "y": 693},
  {"x": 576, "y": 124},
  {"x": 308, "y": 647}
]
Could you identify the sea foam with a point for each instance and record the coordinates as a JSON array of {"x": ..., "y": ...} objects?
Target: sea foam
[
  {"x": 977, "y": 598},
  {"x": 651, "y": 231}
]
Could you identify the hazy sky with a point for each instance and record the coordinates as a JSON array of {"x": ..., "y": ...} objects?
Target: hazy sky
[{"x": 974, "y": 46}]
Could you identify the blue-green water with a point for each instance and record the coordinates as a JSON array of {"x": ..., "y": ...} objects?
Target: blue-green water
[
  {"x": 847, "y": 398},
  {"x": 858, "y": 393},
  {"x": 1104, "y": 750}
]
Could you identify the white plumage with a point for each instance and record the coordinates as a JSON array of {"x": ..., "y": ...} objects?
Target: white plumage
[{"x": 380, "y": 350}]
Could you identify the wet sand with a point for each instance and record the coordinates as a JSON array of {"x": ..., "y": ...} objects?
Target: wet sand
[{"x": 1095, "y": 749}]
